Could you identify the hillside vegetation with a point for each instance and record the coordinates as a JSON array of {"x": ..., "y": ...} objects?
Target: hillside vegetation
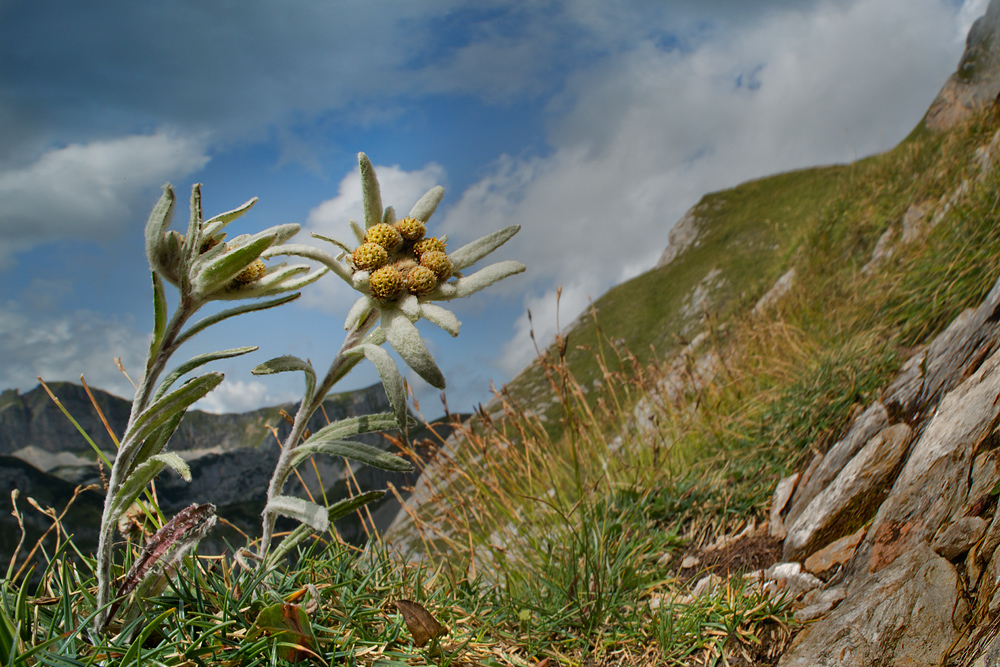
[{"x": 553, "y": 528}]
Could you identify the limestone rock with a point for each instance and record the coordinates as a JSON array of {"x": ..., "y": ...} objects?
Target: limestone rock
[
  {"x": 940, "y": 460},
  {"x": 906, "y": 615},
  {"x": 954, "y": 355},
  {"x": 958, "y": 538},
  {"x": 852, "y": 497},
  {"x": 782, "y": 494},
  {"x": 782, "y": 287},
  {"x": 868, "y": 423},
  {"x": 835, "y": 554},
  {"x": 682, "y": 236},
  {"x": 819, "y": 605},
  {"x": 977, "y": 80}
]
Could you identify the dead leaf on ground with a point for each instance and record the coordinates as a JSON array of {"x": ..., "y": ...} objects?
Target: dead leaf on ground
[{"x": 422, "y": 626}]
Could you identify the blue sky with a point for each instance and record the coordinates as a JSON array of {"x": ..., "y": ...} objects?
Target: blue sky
[{"x": 594, "y": 125}]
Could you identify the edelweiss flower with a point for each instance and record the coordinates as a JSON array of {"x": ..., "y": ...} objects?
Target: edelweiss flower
[
  {"x": 206, "y": 267},
  {"x": 400, "y": 272}
]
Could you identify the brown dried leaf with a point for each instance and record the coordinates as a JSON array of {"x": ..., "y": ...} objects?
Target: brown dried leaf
[{"x": 422, "y": 626}]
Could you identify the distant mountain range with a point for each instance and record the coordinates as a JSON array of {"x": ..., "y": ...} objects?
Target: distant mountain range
[{"x": 231, "y": 457}]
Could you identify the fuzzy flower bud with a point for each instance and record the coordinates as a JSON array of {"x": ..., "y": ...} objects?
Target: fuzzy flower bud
[
  {"x": 411, "y": 229},
  {"x": 252, "y": 273},
  {"x": 428, "y": 244},
  {"x": 438, "y": 262},
  {"x": 369, "y": 256},
  {"x": 386, "y": 283},
  {"x": 420, "y": 280},
  {"x": 384, "y": 235}
]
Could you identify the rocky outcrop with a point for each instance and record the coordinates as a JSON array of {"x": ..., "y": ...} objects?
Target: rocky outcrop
[
  {"x": 976, "y": 82},
  {"x": 919, "y": 574},
  {"x": 683, "y": 235}
]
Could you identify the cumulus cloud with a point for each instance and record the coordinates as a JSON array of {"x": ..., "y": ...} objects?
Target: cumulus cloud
[
  {"x": 238, "y": 396},
  {"x": 64, "y": 347},
  {"x": 400, "y": 189},
  {"x": 88, "y": 191},
  {"x": 650, "y": 129}
]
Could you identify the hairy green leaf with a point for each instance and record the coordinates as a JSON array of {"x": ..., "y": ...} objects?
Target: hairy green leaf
[
  {"x": 469, "y": 254},
  {"x": 370, "y": 191},
  {"x": 289, "y": 363},
  {"x": 427, "y": 204},
  {"x": 311, "y": 514}
]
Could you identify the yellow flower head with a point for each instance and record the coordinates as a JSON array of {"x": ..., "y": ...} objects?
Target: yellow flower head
[
  {"x": 384, "y": 235},
  {"x": 252, "y": 273},
  {"x": 386, "y": 283},
  {"x": 428, "y": 244},
  {"x": 411, "y": 229},
  {"x": 369, "y": 256},
  {"x": 438, "y": 262},
  {"x": 420, "y": 280}
]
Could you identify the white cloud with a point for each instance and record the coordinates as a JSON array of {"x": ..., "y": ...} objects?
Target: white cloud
[
  {"x": 62, "y": 348},
  {"x": 400, "y": 189},
  {"x": 649, "y": 130},
  {"x": 88, "y": 191},
  {"x": 238, "y": 396},
  {"x": 546, "y": 310}
]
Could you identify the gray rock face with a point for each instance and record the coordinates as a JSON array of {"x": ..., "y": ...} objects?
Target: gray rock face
[
  {"x": 976, "y": 82},
  {"x": 868, "y": 423},
  {"x": 958, "y": 538},
  {"x": 854, "y": 494},
  {"x": 905, "y": 603},
  {"x": 907, "y": 615},
  {"x": 941, "y": 461},
  {"x": 682, "y": 236},
  {"x": 951, "y": 357}
]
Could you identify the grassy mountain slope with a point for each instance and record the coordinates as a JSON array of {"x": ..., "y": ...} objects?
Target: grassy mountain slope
[{"x": 782, "y": 385}]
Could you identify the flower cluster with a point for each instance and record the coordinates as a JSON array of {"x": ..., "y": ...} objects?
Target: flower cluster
[
  {"x": 207, "y": 267},
  {"x": 399, "y": 258},
  {"x": 400, "y": 271}
]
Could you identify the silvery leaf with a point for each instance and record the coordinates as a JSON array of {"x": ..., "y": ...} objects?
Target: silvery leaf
[
  {"x": 141, "y": 476},
  {"x": 278, "y": 279},
  {"x": 359, "y": 232},
  {"x": 289, "y": 363},
  {"x": 484, "y": 278},
  {"x": 311, "y": 514},
  {"x": 213, "y": 225},
  {"x": 335, "y": 511},
  {"x": 310, "y": 252},
  {"x": 392, "y": 381},
  {"x": 370, "y": 192},
  {"x": 358, "y": 311},
  {"x": 442, "y": 317},
  {"x": 389, "y": 217},
  {"x": 405, "y": 339},
  {"x": 214, "y": 274},
  {"x": 471, "y": 253},
  {"x": 168, "y": 259},
  {"x": 349, "y": 449},
  {"x": 427, "y": 204},
  {"x": 166, "y": 407},
  {"x": 156, "y": 225},
  {"x": 409, "y": 306},
  {"x": 159, "y": 316},
  {"x": 328, "y": 239}
]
